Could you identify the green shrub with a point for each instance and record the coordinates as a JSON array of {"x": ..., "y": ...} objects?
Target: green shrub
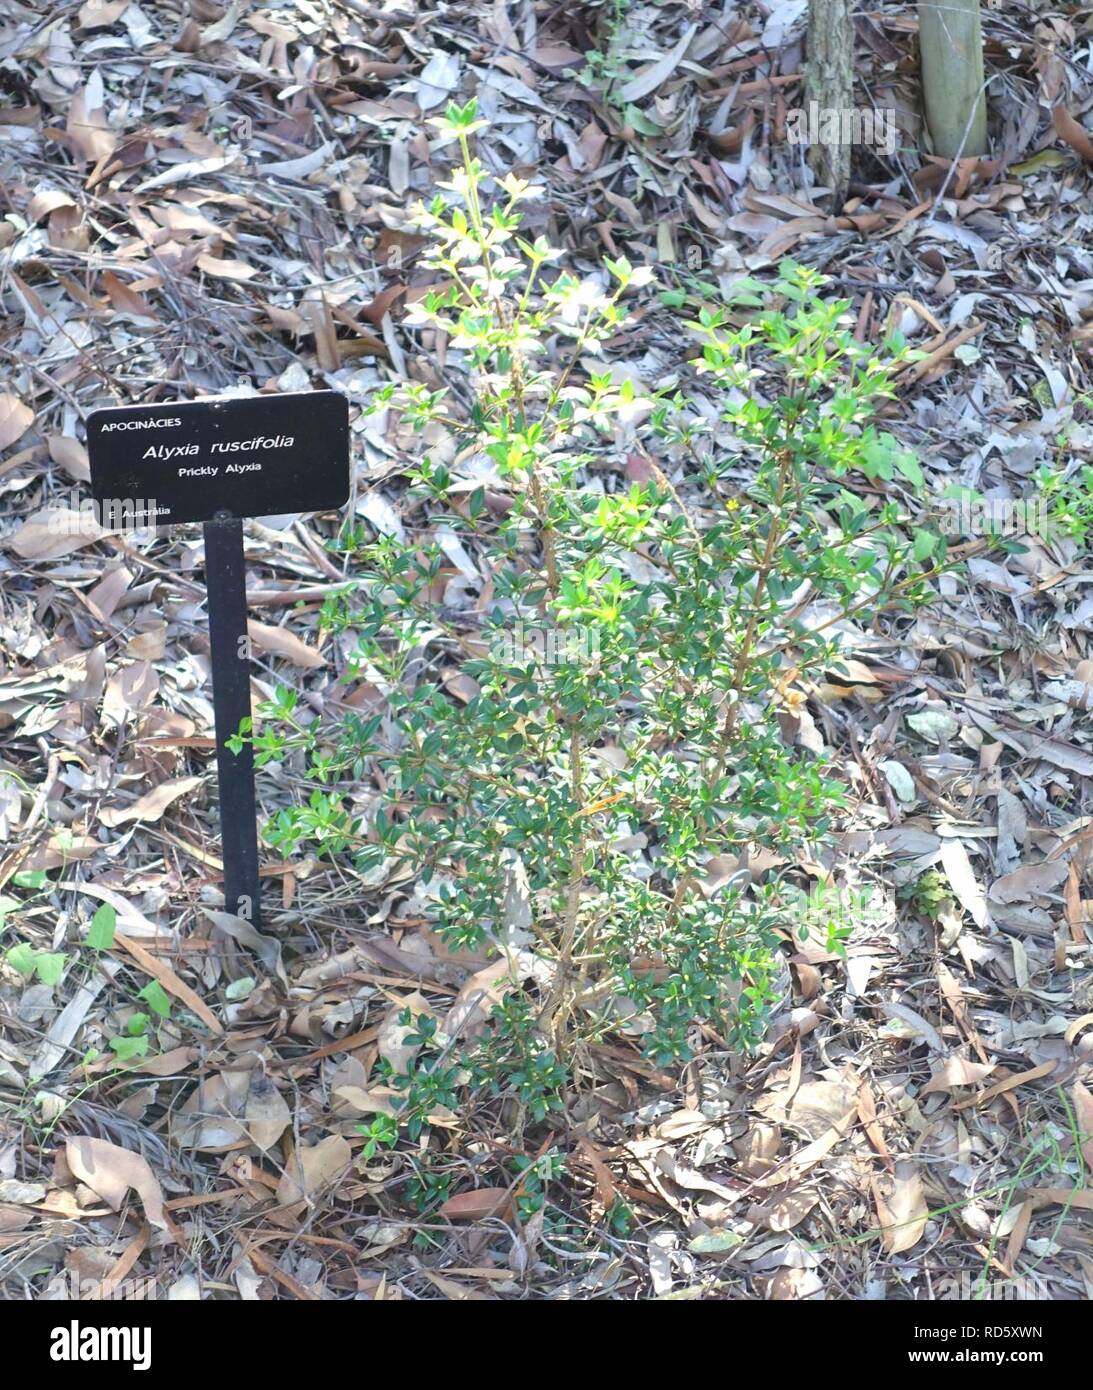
[{"x": 633, "y": 682}]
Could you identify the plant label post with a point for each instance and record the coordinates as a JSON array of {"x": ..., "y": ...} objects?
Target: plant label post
[
  {"x": 225, "y": 577},
  {"x": 218, "y": 461}
]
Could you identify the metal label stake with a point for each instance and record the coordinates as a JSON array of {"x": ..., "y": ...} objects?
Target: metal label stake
[
  {"x": 225, "y": 576},
  {"x": 216, "y": 461}
]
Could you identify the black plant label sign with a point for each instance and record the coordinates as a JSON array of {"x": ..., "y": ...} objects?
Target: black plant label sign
[{"x": 159, "y": 465}]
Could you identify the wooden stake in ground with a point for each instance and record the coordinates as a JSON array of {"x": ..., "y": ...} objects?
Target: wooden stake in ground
[
  {"x": 829, "y": 82},
  {"x": 951, "y": 45}
]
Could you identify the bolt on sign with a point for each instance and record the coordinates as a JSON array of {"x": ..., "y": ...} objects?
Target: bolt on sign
[{"x": 219, "y": 461}]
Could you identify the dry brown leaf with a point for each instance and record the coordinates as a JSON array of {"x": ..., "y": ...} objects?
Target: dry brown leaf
[
  {"x": 1010, "y": 1083},
  {"x": 211, "y": 1116},
  {"x": 476, "y": 1000},
  {"x": 125, "y": 300},
  {"x": 224, "y": 26},
  {"x": 758, "y": 1151},
  {"x": 903, "y": 1210},
  {"x": 793, "y": 1284},
  {"x": 281, "y": 642},
  {"x": 171, "y": 1063},
  {"x": 100, "y": 14},
  {"x": 969, "y": 892},
  {"x": 811, "y": 1108},
  {"x": 1082, "y": 1099},
  {"x": 1075, "y": 135},
  {"x": 478, "y": 1205},
  {"x": 1018, "y": 1236},
  {"x": 1072, "y": 898},
  {"x": 1077, "y": 1026},
  {"x": 71, "y": 455},
  {"x": 314, "y": 1167},
  {"x": 605, "y": 1183},
  {"x": 1028, "y": 881},
  {"x": 957, "y": 1071},
  {"x": 958, "y": 1006},
  {"x": 786, "y": 1211},
  {"x": 110, "y": 1171},
  {"x": 54, "y": 532},
  {"x": 647, "y": 82},
  {"x": 286, "y": 320},
  {"x": 267, "y": 1115},
  {"x": 88, "y": 132},
  {"x": 807, "y": 1157},
  {"x": 224, "y": 269},
  {"x": 49, "y": 200},
  {"x": 366, "y": 1102},
  {"x": 326, "y": 337},
  {"x": 1063, "y": 1196},
  {"x": 150, "y": 806},
  {"x": 15, "y": 418},
  {"x": 867, "y": 1114}
]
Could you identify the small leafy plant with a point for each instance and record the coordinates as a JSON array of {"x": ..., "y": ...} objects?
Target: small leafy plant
[
  {"x": 927, "y": 895},
  {"x": 48, "y": 967},
  {"x": 1069, "y": 501},
  {"x": 605, "y": 71},
  {"x": 561, "y": 815}
]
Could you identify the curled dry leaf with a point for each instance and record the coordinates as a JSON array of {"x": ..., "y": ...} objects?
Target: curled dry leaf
[
  {"x": 1078, "y": 1026},
  {"x": 605, "y": 1182},
  {"x": 1010, "y": 1083},
  {"x": 1077, "y": 694},
  {"x": 208, "y": 1117},
  {"x": 759, "y": 1150},
  {"x": 957, "y": 1071},
  {"x": 87, "y": 130},
  {"x": 867, "y": 1115},
  {"x": 312, "y": 1168},
  {"x": 1073, "y": 132},
  {"x": 478, "y": 997},
  {"x": 902, "y": 1212},
  {"x": 47, "y": 201},
  {"x": 784, "y": 1212},
  {"x": 110, "y": 1171},
  {"x": 1081, "y": 1197},
  {"x": 793, "y": 1285},
  {"x": 812, "y": 1107},
  {"x": 124, "y": 300},
  {"x": 1082, "y": 1099}
]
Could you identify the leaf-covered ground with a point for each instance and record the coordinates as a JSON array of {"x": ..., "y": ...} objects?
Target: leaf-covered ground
[{"x": 194, "y": 196}]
